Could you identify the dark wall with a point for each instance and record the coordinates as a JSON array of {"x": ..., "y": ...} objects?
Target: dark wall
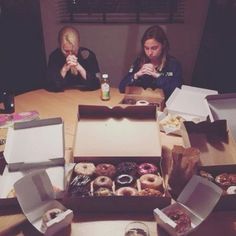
[
  {"x": 216, "y": 62},
  {"x": 22, "y": 57}
]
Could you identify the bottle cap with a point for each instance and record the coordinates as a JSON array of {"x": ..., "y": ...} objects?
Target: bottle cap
[{"x": 105, "y": 76}]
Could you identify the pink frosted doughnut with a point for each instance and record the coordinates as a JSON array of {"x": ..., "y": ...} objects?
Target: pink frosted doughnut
[{"x": 147, "y": 168}]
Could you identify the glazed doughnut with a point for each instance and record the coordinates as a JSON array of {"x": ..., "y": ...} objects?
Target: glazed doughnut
[
  {"x": 231, "y": 190},
  {"x": 147, "y": 168},
  {"x": 206, "y": 175},
  {"x": 105, "y": 170},
  {"x": 129, "y": 168},
  {"x": 182, "y": 220},
  {"x": 124, "y": 180},
  {"x": 101, "y": 192},
  {"x": 102, "y": 181},
  {"x": 150, "y": 192},
  {"x": 151, "y": 181},
  {"x": 84, "y": 168},
  {"x": 126, "y": 191},
  {"x": 11, "y": 194},
  {"x": 223, "y": 180},
  {"x": 51, "y": 214}
]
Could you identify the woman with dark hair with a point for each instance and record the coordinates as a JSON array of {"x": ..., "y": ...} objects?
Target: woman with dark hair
[{"x": 154, "y": 67}]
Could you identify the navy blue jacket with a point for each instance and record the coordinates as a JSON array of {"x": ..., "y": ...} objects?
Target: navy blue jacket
[
  {"x": 87, "y": 59},
  {"x": 169, "y": 78}
]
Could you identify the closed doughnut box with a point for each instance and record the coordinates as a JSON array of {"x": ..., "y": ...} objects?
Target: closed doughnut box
[
  {"x": 140, "y": 96},
  {"x": 8, "y": 179},
  {"x": 116, "y": 186},
  {"x": 225, "y": 177},
  {"x": 35, "y": 143},
  {"x": 35, "y": 195},
  {"x": 194, "y": 204}
]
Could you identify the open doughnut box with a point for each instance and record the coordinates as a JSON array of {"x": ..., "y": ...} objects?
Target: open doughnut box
[
  {"x": 139, "y": 96},
  {"x": 217, "y": 155},
  {"x": 36, "y": 197},
  {"x": 114, "y": 136},
  {"x": 18, "y": 160},
  {"x": 186, "y": 214}
]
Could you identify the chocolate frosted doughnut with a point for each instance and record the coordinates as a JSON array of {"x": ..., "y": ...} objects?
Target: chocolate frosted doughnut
[
  {"x": 80, "y": 186},
  {"x": 151, "y": 181},
  {"x": 182, "y": 220},
  {"x": 147, "y": 168},
  {"x": 102, "y": 181},
  {"x": 124, "y": 180},
  {"x": 101, "y": 192},
  {"x": 84, "y": 168},
  {"x": 129, "y": 168},
  {"x": 51, "y": 214},
  {"x": 105, "y": 170},
  {"x": 126, "y": 191}
]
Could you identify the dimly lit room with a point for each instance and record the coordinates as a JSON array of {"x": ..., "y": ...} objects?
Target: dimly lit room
[{"x": 117, "y": 117}]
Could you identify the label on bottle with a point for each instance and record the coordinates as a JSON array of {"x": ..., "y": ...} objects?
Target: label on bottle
[{"x": 105, "y": 88}]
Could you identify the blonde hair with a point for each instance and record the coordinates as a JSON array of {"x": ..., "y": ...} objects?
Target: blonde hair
[{"x": 69, "y": 35}]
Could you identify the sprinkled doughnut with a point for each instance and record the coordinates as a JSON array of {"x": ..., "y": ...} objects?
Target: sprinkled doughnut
[
  {"x": 182, "y": 220},
  {"x": 124, "y": 180},
  {"x": 147, "y": 168},
  {"x": 105, "y": 170},
  {"x": 84, "y": 168},
  {"x": 126, "y": 191},
  {"x": 102, "y": 181},
  {"x": 151, "y": 181}
]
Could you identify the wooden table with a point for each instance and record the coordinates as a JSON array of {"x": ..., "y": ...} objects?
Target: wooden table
[{"x": 65, "y": 105}]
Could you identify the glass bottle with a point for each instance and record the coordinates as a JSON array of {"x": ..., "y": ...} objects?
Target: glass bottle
[{"x": 105, "y": 88}]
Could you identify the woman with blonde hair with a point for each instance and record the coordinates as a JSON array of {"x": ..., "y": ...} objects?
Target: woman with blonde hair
[
  {"x": 154, "y": 67},
  {"x": 71, "y": 65}
]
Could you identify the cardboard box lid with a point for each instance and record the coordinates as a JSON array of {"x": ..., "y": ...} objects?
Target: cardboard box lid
[
  {"x": 130, "y": 131},
  {"x": 190, "y": 101},
  {"x": 36, "y": 142},
  {"x": 35, "y": 195},
  {"x": 223, "y": 106},
  {"x": 216, "y": 145},
  {"x": 33, "y": 190},
  {"x": 199, "y": 188}
]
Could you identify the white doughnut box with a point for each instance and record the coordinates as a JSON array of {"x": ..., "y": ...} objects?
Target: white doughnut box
[
  {"x": 197, "y": 200},
  {"x": 36, "y": 196}
]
